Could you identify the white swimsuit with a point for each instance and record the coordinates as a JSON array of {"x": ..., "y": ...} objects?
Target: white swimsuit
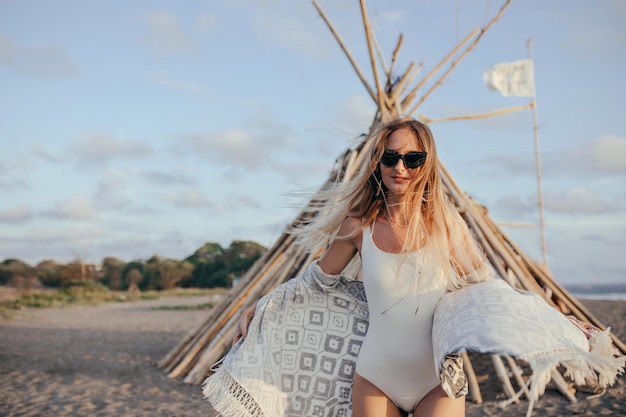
[{"x": 397, "y": 353}]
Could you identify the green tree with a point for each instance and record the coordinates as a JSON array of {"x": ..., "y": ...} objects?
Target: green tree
[
  {"x": 14, "y": 268},
  {"x": 208, "y": 252},
  {"x": 209, "y": 275},
  {"x": 112, "y": 269},
  {"x": 133, "y": 278},
  {"x": 136, "y": 278},
  {"x": 49, "y": 273},
  {"x": 168, "y": 273}
]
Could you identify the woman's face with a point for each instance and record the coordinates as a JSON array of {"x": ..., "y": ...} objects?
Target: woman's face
[{"x": 399, "y": 178}]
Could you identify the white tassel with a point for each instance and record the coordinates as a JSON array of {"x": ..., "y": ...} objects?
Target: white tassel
[
  {"x": 600, "y": 365},
  {"x": 228, "y": 397}
]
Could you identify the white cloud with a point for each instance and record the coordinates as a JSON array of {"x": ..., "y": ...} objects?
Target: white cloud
[
  {"x": 101, "y": 148},
  {"x": 77, "y": 208},
  {"x": 516, "y": 206},
  {"x": 48, "y": 61},
  {"x": 355, "y": 114},
  {"x": 601, "y": 156},
  {"x": 42, "y": 153},
  {"x": 206, "y": 22},
  {"x": 62, "y": 243},
  {"x": 166, "y": 35},
  {"x": 393, "y": 16},
  {"x": 301, "y": 171},
  {"x": 189, "y": 199},
  {"x": 587, "y": 247},
  {"x": 575, "y": 200},
  {"x": 231, "y": 147},
  {"x": 247, "y": 148},
  {"x": 246, "y": 201},
  {"x": 19, "y": 214},
  {"x": 291, "y": 31},
  {"x": 177, "y": 85},
  {"x": 168, "y": 178},
  {"x": 112, "y": 192},
  {"x": 609, "y": 154}
]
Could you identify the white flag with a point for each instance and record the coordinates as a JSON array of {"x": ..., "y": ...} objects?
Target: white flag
[{"x": 512, "y": 78}]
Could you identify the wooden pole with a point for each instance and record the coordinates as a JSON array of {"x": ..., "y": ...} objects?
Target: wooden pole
[
  {"x": 346, "y": 51},
  {"x": 498, "y": 112},
  {"x": 544, "y": 251},
  {"x": 438, "y": 66},
  {"x": 368, "y": 36},
  {"x": 460, "y": 58}
]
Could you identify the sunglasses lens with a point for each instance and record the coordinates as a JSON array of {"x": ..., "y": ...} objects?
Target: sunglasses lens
[
  {"x": 390, "y": 159},
  {"x": 411, "y": 160},
  {"x": 414, "y": 159}
]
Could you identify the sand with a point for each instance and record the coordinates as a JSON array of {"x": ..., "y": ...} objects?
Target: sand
[{"x": 98, "y": 361}]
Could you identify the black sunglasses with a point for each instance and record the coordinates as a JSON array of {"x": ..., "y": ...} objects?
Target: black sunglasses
[{"x": 411, "y": 160}]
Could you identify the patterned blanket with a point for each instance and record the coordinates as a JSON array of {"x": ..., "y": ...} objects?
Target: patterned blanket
[
  {"x": 300, "y": 354},
  {"x": 493, "y": 317}
]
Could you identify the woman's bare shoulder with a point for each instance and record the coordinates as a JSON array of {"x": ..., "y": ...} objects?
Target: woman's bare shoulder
[{"x": 351, "y": 224}]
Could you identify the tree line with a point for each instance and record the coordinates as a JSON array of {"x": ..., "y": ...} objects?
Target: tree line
[{"x": 210, "y": 266}]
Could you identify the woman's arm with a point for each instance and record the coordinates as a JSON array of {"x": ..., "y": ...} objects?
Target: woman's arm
[
  {"x": 341, "y": 250},
  {"x": 333, "y": 261}
]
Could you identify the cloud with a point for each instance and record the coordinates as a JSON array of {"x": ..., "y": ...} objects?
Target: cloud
[
  {"x": 246, "y": 201},
  {"x": 77, "y": 208},
  {"x": 43, "y": 154},
  {"x": 166, "y": 36},
  {"x": 585, "y": 247},
  {"x": 168, "y": 178},
  {"x": 601, "y": 156},
  {"x": 608, "y": 154},
  {"x": 247, "y": 148},
  {"x": 112, "y": 192},
  {"x": 355, "y": 114},
  {"x": 19, "y": 214},
  {"x": 13, "y": 184},
  {"x": 206, "y": 22},
  {"x": 47, "y": 61},
  {"x": 189, "y": 199},
  {"x": 575, "y": 200},
  {"x": 392, "y": 16},
  {"x": 101, "y": 148},
  {"x": 232, "y": 147},
  {"x": 302, "y": 171},
  {"x": 517, "y": 206},
  {"x": 62, "y": 244},
  {"x": 292, "y": 32},
  {"x": 160, "y": 79}
]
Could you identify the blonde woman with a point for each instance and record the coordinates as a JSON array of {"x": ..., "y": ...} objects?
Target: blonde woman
[
  {"x": 315, "y": 346},
  {"x": 394, "y": 215}
]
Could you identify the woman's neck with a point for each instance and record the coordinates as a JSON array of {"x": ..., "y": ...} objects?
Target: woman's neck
[{"x": 395, "y": 216}]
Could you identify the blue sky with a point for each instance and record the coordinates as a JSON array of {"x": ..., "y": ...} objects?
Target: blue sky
[{"x": 136, "y": 128}]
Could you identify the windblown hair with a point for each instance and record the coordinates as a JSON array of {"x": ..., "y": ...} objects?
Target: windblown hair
[{"x": 434, "y": 226}]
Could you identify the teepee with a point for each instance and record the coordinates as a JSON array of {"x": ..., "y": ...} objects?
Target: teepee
[{"x": 193, "y": 357}]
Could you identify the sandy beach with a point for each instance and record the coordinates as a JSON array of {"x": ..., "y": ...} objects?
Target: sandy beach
[{"x": 98, "y": 361}]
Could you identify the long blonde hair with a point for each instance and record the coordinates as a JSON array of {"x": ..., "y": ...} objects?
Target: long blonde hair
[{"x": 450, "y": 251}]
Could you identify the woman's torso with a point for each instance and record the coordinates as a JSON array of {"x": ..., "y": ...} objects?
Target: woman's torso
[{"x": 397, "y": 354}]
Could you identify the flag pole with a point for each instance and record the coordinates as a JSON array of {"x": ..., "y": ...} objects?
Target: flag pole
[{"x": 538, "y": 164}]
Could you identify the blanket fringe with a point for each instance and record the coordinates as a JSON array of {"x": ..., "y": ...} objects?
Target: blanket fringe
[
  {"x": 228, "y": 397},
  {"x": 601, "y": 366}
]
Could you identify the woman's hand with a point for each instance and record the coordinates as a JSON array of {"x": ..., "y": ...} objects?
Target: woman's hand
[
  {"x": 585, "y": 327},
  {"x": 244, "y": 323}
]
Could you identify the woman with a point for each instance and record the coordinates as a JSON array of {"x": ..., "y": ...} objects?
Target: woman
[{"x": 413, "y": 247}]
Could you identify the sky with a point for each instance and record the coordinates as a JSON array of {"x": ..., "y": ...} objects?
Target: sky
[{"x": 130, "y": 129}]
